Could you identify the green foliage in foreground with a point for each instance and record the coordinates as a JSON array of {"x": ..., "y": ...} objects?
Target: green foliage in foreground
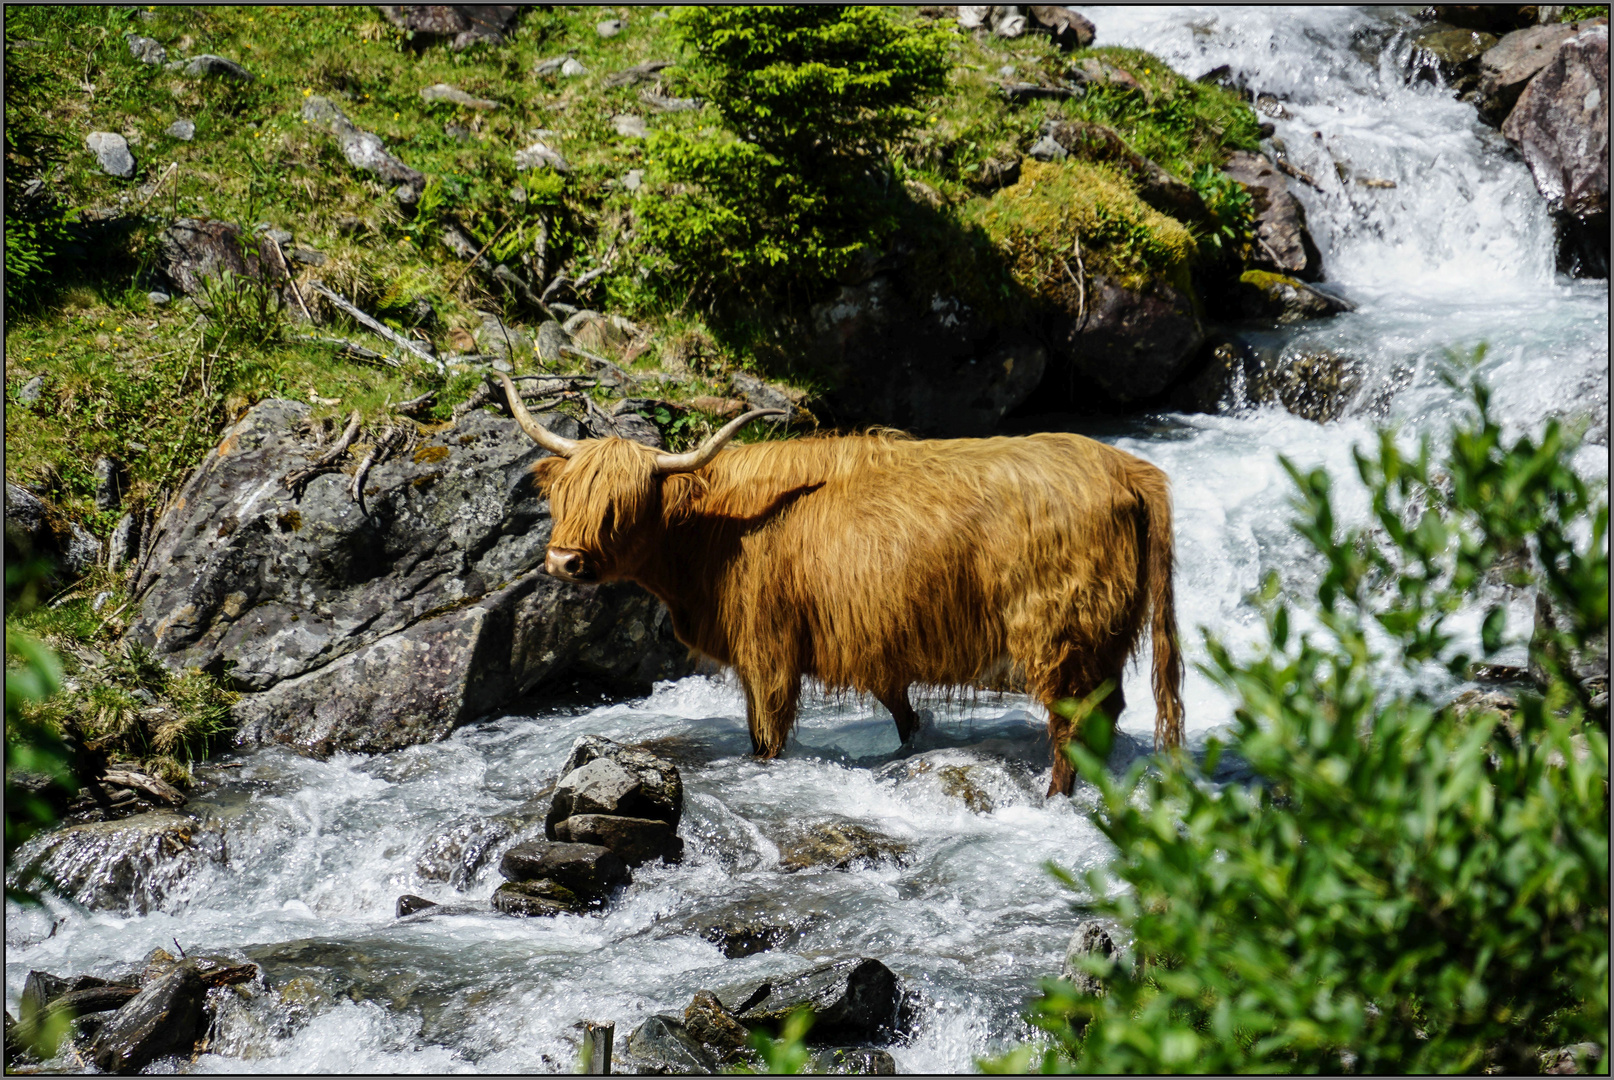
[
  {"x": 33, "y": 675},
  {"x": 1410, "y": 891},
  {"x": 791, "y": 190}
]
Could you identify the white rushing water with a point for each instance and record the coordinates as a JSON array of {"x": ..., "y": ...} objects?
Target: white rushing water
[{"x": 1458, "y": 253}]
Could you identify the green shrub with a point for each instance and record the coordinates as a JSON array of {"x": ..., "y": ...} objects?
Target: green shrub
[
  {"x": 1406, "y": 889},
  {"x": 793, "y": 187}
]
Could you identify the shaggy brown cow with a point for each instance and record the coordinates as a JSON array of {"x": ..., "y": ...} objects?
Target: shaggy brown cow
[{"x": 875, "y": 562}]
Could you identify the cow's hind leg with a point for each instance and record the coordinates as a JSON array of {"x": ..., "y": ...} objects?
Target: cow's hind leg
[
  {"x": 770, "y": 711},
  {"x": 1062, "y": 730},
  {"x": 896, "y": 702}
]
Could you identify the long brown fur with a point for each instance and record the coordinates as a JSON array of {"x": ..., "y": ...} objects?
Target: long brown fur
[{"x": 873, "y": 563}]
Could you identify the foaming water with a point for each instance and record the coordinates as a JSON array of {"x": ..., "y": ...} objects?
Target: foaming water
[{"x": 1457, "y": 254}]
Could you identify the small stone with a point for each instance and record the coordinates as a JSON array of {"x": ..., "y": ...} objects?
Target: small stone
[
  {"x": 572, "y": 68},
  {"x": 634, "y": 180},
  {"x": 108, "y": 490},
  {"x": 31, "y": 390},
  {"x": 535, "y": 898},
  {"x": 540, "y": 156},
  {"x": 184, "y": 130},
  {"x": 100, "y": 600},
  {"x": 1046, "y": 149},
  {"x": 551, "y": 66},
  {"x": 629, "y": 126},
  {"x": 112, "y": 151},
  {"x": 706, "y": 1018},
  {"x": 409, "y": 904},
  {"x": 1090, "y": 939},
  {"x": 589, "y": 870},
  {"x": 453, "y": 94},
  {"x": 609, "y": 28},
  {"x": 457, "y": 132},
  {"x": 218, "y": 67},
  {"x": 518, "y": 194},
  {"x": 147, "y": 50}
]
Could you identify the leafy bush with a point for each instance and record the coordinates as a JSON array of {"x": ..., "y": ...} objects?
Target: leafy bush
[
  {"x": 1230, "y": 205},
  {"x": 1407, "y": 889},
  {"x": 793, "y": 188}
]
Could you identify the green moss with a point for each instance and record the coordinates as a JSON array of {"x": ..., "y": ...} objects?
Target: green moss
[
  {"x": 1039, "y": 221},
  {"x": 1265, "y": 279},
  {"x": 1582, "y": 12}
]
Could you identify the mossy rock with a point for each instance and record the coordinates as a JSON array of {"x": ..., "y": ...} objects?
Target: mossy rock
[{"x": 1265, "y": 295}]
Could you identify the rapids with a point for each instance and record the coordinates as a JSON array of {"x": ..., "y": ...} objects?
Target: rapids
[{"x": 1458, "y": 253}]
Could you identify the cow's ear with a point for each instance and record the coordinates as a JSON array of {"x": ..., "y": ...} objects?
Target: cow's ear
[{"x": 545, "y": 471}]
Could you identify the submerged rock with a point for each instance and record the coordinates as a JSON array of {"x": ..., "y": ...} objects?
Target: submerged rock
[
  {"x": 838, "y": 845},
  {"x": 1265, "y": 295},
  {"x": 536, "y": 899},
  {"x": 1450, "y": 54},
  {"x": 409, "y": 904},
  {"x": 136, "y": 864},
  {"x": 635, "y": 840},
  {"x": 462, "y": 848},
  {"x": 164, "y": 1018}
]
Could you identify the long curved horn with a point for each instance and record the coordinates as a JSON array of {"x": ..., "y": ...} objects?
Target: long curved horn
[
  {"x": 558, "y": 445},
  {"x": 677, "y": 463}
]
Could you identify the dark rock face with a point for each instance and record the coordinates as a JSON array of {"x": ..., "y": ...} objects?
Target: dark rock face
[
  {"x": 536, "y": 899},
  {"x": 36, "y": 529},
  {"x": 853, "y": 1000},
  {"x": 1068, "y": 29},
  {"x": 1505, "y": 69},
  {"x": 1560, "y": 126},
  {"x": 193, "y": 252},
  {"x": 135, "y": 865},
  {"x": 1128, "y": 345},
  {"x": 164, "y": 1018},
  {"x": 1450, "y": 54},
  {"x": 588, "y": 870},
  {"x": 373, "y": 632},
  {"x": 852, "y": 1061},
  {"x": 1265, "y": 295},
  {"x": 1315, "y": 384},
  {"x": 837, "y": 846},
  {"x": 708, "y": 1020},
  {"x": 605, "y": 777},
  {"x": 933, "y": 366},
  {"x": 409, "y": 904},
  {"x": 1283, "y": 243},
  {"x": 635, "y": 841},
  {"x": 466, "y": 24},
  {"x": 662, "y": 1044}
]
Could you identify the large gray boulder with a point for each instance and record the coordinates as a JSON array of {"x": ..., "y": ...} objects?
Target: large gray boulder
[
  {"x": 1506, "y": 69},
  {"x": 1560, "y": 127},
  {"x": 372, "y": 629},
  {"x": 1283, "y": 243},
  {"x": 193, "y": 252}
]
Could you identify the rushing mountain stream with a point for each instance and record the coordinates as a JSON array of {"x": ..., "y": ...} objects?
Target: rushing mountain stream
[{"x": 1458, "y": 252}]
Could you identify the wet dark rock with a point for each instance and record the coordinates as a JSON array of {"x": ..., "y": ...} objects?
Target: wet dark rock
[
  {"x": 465, "y": 24},
  {"x": 746, "y": 937},
  {"x": 1129, "y": 344},
  {"x": 164, "y": 1018},
  {"x": 1588, "y": 663},
  {"x": 838, "y": 845},
  {"x": 193, "y": 252},
  {"x": 409, "y": 904},
  {"x": 536, "y": 899},
  {"x": 662, "y": 1044},
  {"x": 214, "y": 970},
  {"x": 37, "y": 529},
  {"x": 1450, "y": 54},
  {"x": 600, "y": 776},
  {"x": 111, "y": 151},
  {"x": 709, "y": 1021},
  {"x": 589, "y": 870},
  {"x": 462, "y": 848},
  {"x": 209, "y": 66},
  {"x": 1283, "y": 243},
  {"x": 1560, "y": 126},
  {"x": 362, "y": 149},
  {"x": 853, "y": 1000},
  {"x": 635, "y": 841},
  {"x": 1314, "y": 384},
  {"x": 1068, "y": 29},
  {"x": 1506, "y": 69},
  {"x": 1092, "y": 938},
  {"x": 1266, "y": 295},
  {"x": 1491, "y": 18},
  {"x": 852, "y": 1061},
  {"x": 955, "y": 772},
  {"x": 136, "y": 864},
  {"x": 374, "y": 632}
]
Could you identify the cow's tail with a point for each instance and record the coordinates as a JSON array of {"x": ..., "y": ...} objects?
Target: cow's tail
[{"x": 1159, "y": 564}]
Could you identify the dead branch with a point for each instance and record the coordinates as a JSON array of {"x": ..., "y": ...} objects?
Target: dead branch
[
  {"x": 291, "y": 278},
  {"x": 1303, "y": 177},
  {"x": 375, "y": 326},
  {"x": 417, "y": 405},
  {"x": 158, "y": 790},
  {"x": 391, "y": 438},
  {"x": 510, "y": 278},
  {"x": 540, "y": 249},
  {"x": 353, "y": 349},
  {"x": 297, "y": 480},
  {"x": 622, "y": 377}
]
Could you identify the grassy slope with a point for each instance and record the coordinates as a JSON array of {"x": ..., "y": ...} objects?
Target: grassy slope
[{"x": 152, "y": 386}]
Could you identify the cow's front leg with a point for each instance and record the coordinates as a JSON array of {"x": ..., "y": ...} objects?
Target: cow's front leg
[
  {"x": 770, "y": 710},
  {"x": 1061, "y": 731},
  {"x": 896, "y": 703}
]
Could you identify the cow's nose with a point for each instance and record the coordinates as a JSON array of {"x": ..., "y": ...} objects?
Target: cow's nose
[{"x": 561, "y": 563}]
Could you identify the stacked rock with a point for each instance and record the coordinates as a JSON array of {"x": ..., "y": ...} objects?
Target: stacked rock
[{"x": 615, "y": 807}]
